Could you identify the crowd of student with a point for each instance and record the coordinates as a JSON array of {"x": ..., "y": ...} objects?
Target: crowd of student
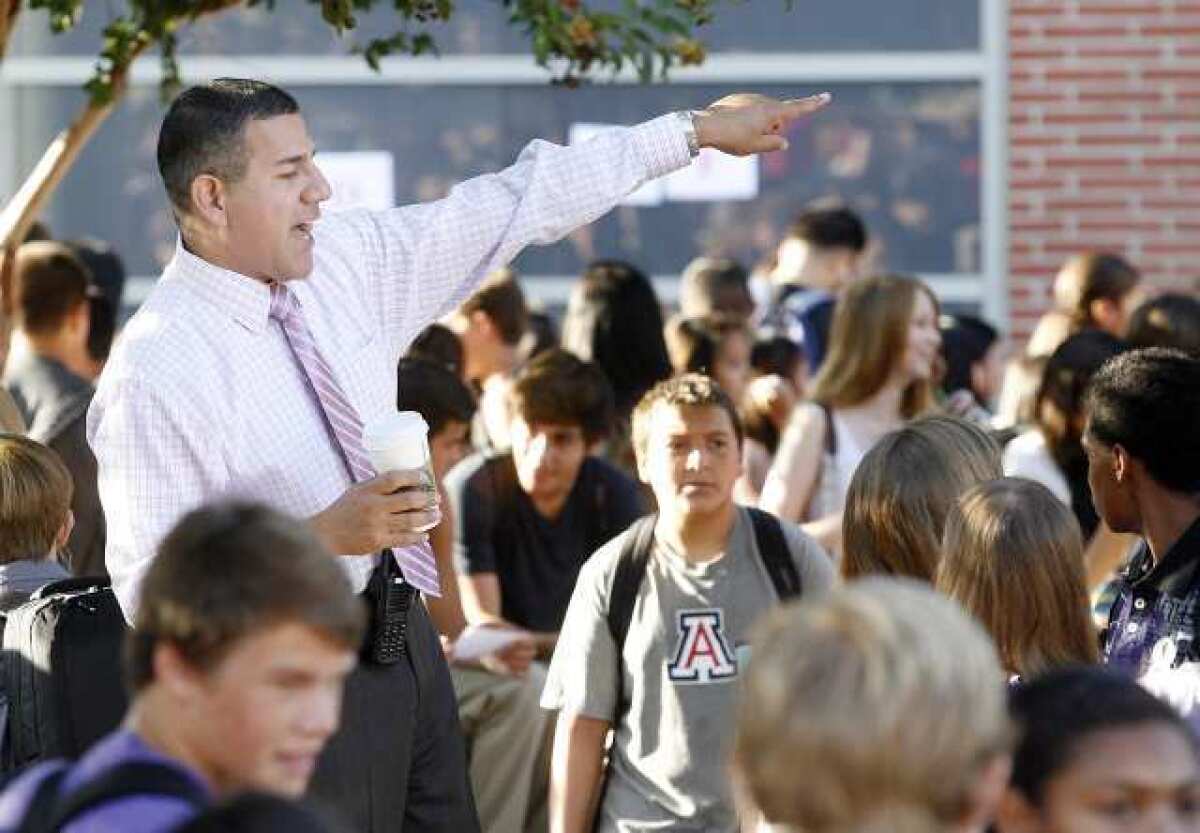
[
  {"x": 808, "y": 554},
  {"x": 887, "y": 453}
]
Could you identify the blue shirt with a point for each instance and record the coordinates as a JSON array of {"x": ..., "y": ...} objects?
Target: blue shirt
[
  {"x": 140, "y": 813},
  {"x": 804, "y": 315},
  {"x": 1151, "y": 631}
]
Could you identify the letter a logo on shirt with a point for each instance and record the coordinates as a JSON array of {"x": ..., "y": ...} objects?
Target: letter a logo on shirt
[{"x": 702, "y": 654}]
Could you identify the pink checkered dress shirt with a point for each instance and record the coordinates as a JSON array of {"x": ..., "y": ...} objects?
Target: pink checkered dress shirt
[{"x": 202, "y": 398}]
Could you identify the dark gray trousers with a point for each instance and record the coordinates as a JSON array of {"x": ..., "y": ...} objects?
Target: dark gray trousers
[{"x": 398, "y": 761}]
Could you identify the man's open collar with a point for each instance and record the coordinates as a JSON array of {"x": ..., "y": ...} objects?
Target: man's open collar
[{"x": 246, "y": 300}]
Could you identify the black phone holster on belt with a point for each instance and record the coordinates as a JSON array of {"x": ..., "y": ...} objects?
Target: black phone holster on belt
[{"x": 389, "y": 598}]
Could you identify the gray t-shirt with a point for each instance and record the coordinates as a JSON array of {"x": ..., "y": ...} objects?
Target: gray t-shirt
[{"x": 683, "y": 657}]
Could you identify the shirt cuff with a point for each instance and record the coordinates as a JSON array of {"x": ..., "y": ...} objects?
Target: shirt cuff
[{"x": 662, "y": 145}]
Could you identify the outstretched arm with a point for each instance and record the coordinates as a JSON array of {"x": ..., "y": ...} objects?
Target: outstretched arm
[{"x": 424, "y": 259}]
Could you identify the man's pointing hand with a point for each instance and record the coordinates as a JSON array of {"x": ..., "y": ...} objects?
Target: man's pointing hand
[{"x": 747, "y": 123}]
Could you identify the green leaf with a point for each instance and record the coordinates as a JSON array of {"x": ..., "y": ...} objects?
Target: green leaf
[
  {"x": 653, "y": 36},
  {"x": 424, "y": 43},
  {"x": 541, "y": 46}
]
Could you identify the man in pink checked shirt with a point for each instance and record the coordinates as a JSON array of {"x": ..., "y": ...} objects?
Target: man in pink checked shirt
[{"x": 271, "y": 339}]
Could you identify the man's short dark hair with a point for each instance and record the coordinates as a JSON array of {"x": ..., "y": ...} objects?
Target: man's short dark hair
[
  {"x": 204, "y": 132},
  {"x": 1148, "y": 402},
  {"x": 689, "y": 390},
  {"x": 434, "y": 392},
  {"x": 228, "y": 571},
  {"x": 830, "y": 228},
  {"x": 49, "y": 283},
  {"x": 1057, "y": 711},
  {"x": 1171, "y": 320},
  {"x": 500, "y": 298},
  {"x": 559, "y": 388}
]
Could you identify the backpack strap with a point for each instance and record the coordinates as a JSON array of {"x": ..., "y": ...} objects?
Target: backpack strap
[
  {"x": 630, "y": 572},
  {"x": 775, "y": 554},
  {"x": 597, "y": 523},
  {"x": 137, "y": 778},
  {"x": 74, "y": 584},
  {"x": 40, "y": 809},
  {"x": 830, "y": 431}
]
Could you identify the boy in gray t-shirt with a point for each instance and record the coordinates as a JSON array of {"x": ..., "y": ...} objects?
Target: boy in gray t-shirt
[{"x": 704, "y": 587}]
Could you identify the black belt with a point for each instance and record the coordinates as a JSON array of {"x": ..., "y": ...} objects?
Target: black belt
[{"x": 389, "y": 598}]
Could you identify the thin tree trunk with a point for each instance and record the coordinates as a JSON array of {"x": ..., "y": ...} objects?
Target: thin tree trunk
[
  {"x": 25, "y": 205},
  {"x": 9, "y": 9},
  {"x": 20, "y": 212},
  {"x": 27, "y": 202},
  {"x": 18, "y": 215},
  {"x": 23, "y": 208}
]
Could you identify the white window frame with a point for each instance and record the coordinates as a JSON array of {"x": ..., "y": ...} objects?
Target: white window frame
[{"x": 987, "y": 66}]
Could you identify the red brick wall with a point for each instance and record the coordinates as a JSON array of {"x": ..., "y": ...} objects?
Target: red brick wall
[{"x": 1104, "y": 132}]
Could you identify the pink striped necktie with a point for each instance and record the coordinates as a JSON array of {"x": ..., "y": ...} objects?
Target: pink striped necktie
[{"x": 344, "y": 424}]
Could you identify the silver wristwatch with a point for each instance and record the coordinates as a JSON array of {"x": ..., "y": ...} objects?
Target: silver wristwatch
[{"x": 688, "y": 119}]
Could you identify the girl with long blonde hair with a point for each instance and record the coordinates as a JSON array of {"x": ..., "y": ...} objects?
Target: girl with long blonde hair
[{"x": 877, "y": 375}]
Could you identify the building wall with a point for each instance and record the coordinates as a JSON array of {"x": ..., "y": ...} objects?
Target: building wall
[{"x": 1104, "y": 128}]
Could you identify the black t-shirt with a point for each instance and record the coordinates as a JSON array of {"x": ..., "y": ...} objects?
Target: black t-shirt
[{"x": 536, "y": 560}]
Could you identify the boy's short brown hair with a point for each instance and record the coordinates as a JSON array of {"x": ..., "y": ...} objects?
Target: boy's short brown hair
[
  {"x": 559, "y": 388},
  {"x": 35, "y": 497},
  {"x": 500, "y": 298},
  {"x": 49, "y": 282},
  {"x": 229, "y": 571},
  {"x": 689, "y": 390}
]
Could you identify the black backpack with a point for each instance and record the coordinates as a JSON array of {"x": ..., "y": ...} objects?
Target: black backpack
[
  {"x": 50, "y": 809},
  {"x": 635, "y": 556},
  {"x": 62, "y": 671}
]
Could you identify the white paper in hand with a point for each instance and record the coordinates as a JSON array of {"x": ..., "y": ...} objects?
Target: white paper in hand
[{"x": 478, "y": 641}]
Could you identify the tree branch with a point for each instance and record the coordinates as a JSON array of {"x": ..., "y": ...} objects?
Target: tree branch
[
  {"x": 9, "y": 9},
  {"x": 25, "y": 205}
]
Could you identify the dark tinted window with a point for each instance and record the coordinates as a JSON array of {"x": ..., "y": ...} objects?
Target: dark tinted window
[{"x": 480, "y": 27}]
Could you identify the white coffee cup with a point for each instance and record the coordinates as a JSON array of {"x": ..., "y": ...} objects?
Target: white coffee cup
[{"x": 400, "y": 442}]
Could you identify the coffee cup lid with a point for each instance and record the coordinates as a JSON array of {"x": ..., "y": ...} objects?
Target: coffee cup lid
[{"x": 401, "y": 426}]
